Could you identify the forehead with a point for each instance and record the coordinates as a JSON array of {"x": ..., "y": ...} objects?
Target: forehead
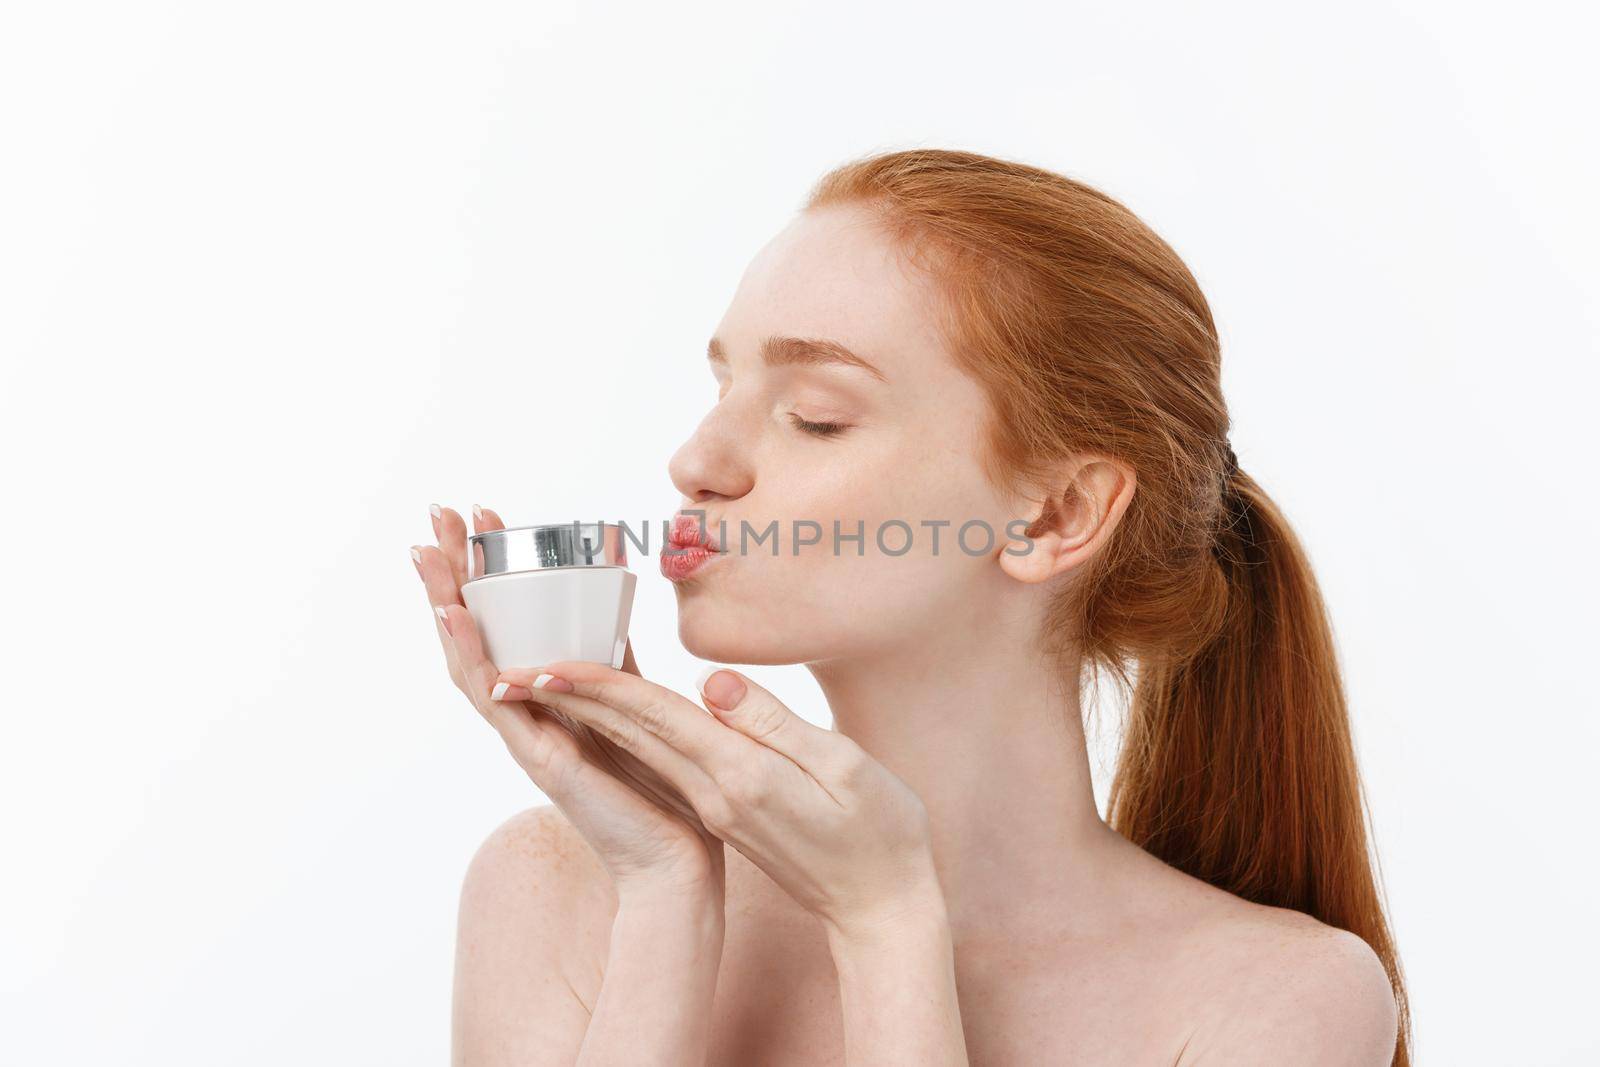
[{"x": 833, "y": 273}]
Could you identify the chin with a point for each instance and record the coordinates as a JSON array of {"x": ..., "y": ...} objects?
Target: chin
[
  {"x": 725, "y": 637},
  {"x": 721, "y": 644}
]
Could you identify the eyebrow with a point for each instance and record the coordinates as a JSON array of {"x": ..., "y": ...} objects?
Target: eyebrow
[{"x": 800, "y": 351}]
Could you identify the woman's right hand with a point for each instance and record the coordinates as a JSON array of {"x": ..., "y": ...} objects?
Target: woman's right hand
[{"x": 644, "y": 832}]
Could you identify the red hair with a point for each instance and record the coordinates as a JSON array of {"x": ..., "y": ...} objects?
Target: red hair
[{"x": 1089, "y": 334}]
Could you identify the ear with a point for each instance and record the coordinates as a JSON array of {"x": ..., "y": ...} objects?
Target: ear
[{"x": 1071, "y": 518}]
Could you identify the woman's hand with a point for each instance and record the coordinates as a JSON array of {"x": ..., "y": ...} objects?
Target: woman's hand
[
  {"x": 846, "y": 838},
  {"x": 645, "y": 833}
]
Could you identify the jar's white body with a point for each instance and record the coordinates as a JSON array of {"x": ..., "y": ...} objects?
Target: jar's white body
[{"x": 535, "y": 617}]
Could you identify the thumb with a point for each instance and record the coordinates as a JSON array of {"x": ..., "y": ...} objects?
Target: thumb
[{"x": 756, "y": 713}]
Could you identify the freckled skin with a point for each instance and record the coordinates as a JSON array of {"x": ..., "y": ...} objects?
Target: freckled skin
[
  {"x": 910, "y": 453},
  {"x": 1072, "y": 946},
  {"x": 1158, "y": 978}
]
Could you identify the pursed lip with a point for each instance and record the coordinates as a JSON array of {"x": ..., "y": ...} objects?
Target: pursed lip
[
  {"x": 689, "y": 531},
  {"x": 689, "y": 545}
]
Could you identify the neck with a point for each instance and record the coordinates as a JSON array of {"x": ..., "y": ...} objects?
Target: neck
[{"x": 988, "y": 734}]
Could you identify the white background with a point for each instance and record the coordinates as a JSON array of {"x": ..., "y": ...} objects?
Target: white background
[{"x": 277, "y": 276}]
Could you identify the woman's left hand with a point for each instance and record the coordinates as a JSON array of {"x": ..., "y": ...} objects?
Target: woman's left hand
[{"x": 845, "y": 837}]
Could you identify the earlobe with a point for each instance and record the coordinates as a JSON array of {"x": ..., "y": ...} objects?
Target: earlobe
[
  {"x": 1033, "y": 548},
  {"x": 1071, "y": 524}
]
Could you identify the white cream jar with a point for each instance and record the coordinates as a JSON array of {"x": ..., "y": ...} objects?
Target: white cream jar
[{"x": 540, "y": 594}]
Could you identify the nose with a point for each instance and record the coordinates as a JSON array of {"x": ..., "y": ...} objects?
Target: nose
[{"x": 710, "y": 465}]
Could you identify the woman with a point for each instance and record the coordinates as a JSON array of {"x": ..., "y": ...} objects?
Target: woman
[{"x": 944, "y": 337}]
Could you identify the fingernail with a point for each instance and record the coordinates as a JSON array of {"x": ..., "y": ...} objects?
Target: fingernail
[
  {"x": 444, "y": 618},
  {"x": 416, "y": 558},
  {"x": 552, "y": 684},
  {"x": 723, "y": 688},
  {"x": 508, "y": 692},
  {"x": 433, "y": 509},
  {"x": 477, "y": 512}
]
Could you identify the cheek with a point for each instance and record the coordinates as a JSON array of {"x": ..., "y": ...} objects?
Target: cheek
[
  {"x": 788, "y": 609},
  {"x": 846, "y": 595},
  {"x": 912, "y": 481}
]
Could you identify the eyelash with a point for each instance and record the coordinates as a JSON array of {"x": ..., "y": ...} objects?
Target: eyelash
[{"x": 817, "y": 429}]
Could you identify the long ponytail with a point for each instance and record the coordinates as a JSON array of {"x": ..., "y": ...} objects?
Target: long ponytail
[
  {"x": 1088, "y": 333},
  {"x": 1237, "y": 766}
]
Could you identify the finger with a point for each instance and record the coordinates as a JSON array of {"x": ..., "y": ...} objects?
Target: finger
[
  {"x": 466, "y": 648},
  {"x": 653, "y": 708},
  {"x": 452, "y": 533},
  {"x": 742, "y": 704},
  {"x": 618, "y": 757},
  {"x": 485, "y": 519},
  {"x": 557, "y": 754},
  {"x": 612, "y": 758},
  {"x": 524, "y": 728},
  {"x": 563, "y": 764},
  {"x": 440, "y": 588},
  {"x": 617, "y": 725},
  {"x": 541, "y": 747},
  {"x": 622, "y": 765},
  {"x": 504, "y": 690},
  {"x": 629, "y": 666},
  {"x": 579, "y": 777},
  {"x": 538, "y": 744},
  {"x": 438, "y": 580}
]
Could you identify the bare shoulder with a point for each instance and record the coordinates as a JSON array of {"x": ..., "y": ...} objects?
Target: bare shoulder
[
  {"x": 534, "y": 875},
  {"x": 1288, "y": 988},
  {"x": 535, "y": 913},
  {"x": 537, "y": 850}
]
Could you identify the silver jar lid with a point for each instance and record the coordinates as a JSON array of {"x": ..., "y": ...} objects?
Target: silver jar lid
[{"x": 529, "y": 548}]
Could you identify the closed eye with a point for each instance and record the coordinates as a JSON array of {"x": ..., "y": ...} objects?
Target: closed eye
[{"x": 817, "y": 429}]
